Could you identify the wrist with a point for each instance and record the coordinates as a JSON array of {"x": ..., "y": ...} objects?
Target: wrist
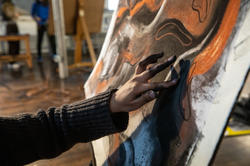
[{"x": 112, "y": 104}]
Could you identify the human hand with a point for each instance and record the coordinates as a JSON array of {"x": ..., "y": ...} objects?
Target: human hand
[
  {"x": 37, "y": 19},
  {"x": 138, "y": 90}
]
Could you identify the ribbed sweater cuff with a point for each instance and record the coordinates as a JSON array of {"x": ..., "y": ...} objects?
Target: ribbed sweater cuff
[{"x": 90, "y": 119}]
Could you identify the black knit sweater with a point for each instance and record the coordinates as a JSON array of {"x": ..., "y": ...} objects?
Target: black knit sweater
[{"x": 27, "y": 138}]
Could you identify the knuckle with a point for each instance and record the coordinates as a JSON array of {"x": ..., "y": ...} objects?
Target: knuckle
[
  {"x": 138, "y": 79},
  {"x": 147, "y": 97},
  {"x": 158, "y": 87},
  {"x": 134, "y": 79},
  {"x": 135, "y": 84},
  {"x": 154, "y": 85},
  {"x": 149, "y": 86},
  {"x": 135, "y": 87}
]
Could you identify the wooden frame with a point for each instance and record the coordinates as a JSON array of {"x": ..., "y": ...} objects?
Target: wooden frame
[
  {"x": 21, "y": 57},
  {"x": 82, "y": 31},
  {"x": 81, "y": 18}
]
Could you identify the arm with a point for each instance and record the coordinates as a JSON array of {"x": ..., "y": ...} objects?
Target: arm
[
  {"x": 27, "y": 138},
  {"x": 34, "y": 12}
]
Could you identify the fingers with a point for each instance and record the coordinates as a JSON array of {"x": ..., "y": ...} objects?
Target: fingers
[
  {"x": 144, "y": 98},
  {"x": 157, "y": 68},
  {"x": 142, "y": 66},
  {"x": 150, "y": 90},
  {"x": 157, "y": 86}
]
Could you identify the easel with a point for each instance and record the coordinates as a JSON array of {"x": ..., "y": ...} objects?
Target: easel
[
  {"x": 81, "y": 33},
  {"x": 21, "y": 57}
]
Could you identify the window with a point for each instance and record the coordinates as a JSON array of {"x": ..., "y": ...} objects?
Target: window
[{"x": 112, "y": 4}]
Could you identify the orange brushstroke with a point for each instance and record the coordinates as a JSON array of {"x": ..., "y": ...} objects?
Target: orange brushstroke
[
  {"x": 208, "y": 57},
  {"x": 116, "y": 142},
  {"x": 151, "y": 5},
  {"x": 137, "y": 7},
  {"x": 121, "y": 11},
  {"x": 98, "y": 69},
  {"x": 101, "y": 86},
  {"x": 129, "y": 57}
]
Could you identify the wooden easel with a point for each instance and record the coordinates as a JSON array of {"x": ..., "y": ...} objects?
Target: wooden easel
[
  {"x": 22, "y": 57},
  {"x": 82, "y": 32}
]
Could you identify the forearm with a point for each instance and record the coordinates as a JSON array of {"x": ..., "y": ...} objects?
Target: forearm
[{"x": 27, "y": 138}]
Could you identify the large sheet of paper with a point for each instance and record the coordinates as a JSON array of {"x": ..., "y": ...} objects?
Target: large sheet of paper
[{"x": 183, "y": 126}]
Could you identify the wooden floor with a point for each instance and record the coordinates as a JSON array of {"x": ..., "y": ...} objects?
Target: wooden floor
[
  {"x": 234, "y": 151},
  {"x": 41, "y": 89}
]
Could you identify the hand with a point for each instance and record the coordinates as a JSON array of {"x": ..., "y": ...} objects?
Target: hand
[
  {"x": 138, "y": 90},
  {"x": 37, "y": 19}
]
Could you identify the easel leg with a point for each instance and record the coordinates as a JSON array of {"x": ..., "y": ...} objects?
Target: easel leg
[
  {"x": 78, "y": 50},
  {"x": 28, "y": 53},
  {"x": 78, "y": 44},
  {"x": 82, "y": 31},
  {"x": 88, "y": 39}
]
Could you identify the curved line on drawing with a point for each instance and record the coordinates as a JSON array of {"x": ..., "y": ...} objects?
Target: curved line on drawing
[
  {"x": 196, "y": 8},
  {"x": 210, "y": 55},
  {"x": 182, "y": 110},
  {"x": 194, "y": 50},
  {"x": 189, "y": 101},
  {"x": 186, "y": 91},
  {"x": 179, "y": 29}
]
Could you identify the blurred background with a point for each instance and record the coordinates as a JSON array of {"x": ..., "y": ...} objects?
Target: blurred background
[{"x": 33, "y": 76}]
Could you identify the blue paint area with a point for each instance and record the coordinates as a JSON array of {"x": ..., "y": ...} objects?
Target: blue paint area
[
  {"x": 170, "y": 114},
  {"x": 149, "y": 145}
]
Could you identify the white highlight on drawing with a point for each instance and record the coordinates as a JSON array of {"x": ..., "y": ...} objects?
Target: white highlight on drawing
[
  {"x": 218, "y": 110},
  {"x": 190, "y": 52}
]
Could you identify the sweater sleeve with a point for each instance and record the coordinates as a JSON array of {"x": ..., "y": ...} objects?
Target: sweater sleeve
[{"x": 27, "y": 138}]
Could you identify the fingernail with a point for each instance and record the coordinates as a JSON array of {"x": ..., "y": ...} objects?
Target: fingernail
[
  {"x": 152, "y": 94},
  {"x": 172, "y": 58},
  {"x": 182, "y": 62},
  {"x": 161, "y": 54},
  {"x": 175, "y": 80},
  {"x": 172, "y": 68}
]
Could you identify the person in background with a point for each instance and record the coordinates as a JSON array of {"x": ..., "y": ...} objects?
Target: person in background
[
  {"x": 9, "y": 15},
  {"x": 40, "y": 13}
]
